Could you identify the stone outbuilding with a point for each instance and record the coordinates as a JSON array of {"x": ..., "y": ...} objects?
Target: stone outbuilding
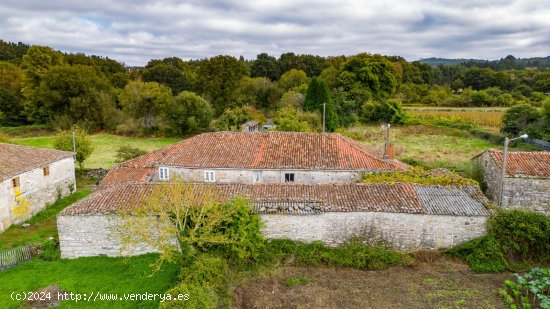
[
  {"x": 255, "y": 157},
  {"x": 30, "y": 178},
  {"x": 526, "y": 182},
  {"x": 250, "y": 126},
  {"x": 406, "y": 216}
]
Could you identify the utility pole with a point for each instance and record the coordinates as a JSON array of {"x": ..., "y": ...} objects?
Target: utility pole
[
  {"x": 324, "y": 110},
  {"x": 387, "y": 146},
  {"x": 74, "y": 154}
]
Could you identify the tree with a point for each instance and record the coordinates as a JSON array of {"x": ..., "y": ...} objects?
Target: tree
[
  {"x": 232, "y": 119},
  {"x": 10, "y": 109},
  {"x": 36, "y": 63},
  {"x": 146, "y": 102},
  {"x": 365, "y": 76},
  {"x": 259, "y": 92},
  {"x": 265, "y": 66},
  {"x": 189, "y": 113},
  {"x": 388, "y": 111},
  {"x": 518, "y": 118},
  {"x": 291, "y": 79},
  {"x": 84, "y": 148},
  {"x": 217, "y": 79},
  {"x": 291, "y": 120},
  {"x": 318, "y": 94},
  {"x": 193, "y": 217},
  {"x": 170, "y": 76},
  {"x": 79, "y": 94}
]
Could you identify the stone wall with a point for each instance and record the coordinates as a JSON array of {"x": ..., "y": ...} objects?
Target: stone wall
[
  {"x": 247, "y": 176},
  {"x": 519, "y": 192},
  {"x": 37, "y": 189},
  {"x": 90, "y": 235},
  {"x": 406, "y": 232}
]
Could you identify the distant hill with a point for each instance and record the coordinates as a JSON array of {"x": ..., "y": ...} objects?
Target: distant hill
[{"x": 435, "y": 61}]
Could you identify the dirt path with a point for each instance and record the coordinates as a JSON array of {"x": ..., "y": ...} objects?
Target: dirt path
[{"x": 439, "y": 284}]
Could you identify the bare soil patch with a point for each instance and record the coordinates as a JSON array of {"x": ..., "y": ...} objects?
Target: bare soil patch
[
  {"x": 435, "y": 282},
  {"x": 44, "y": 298}
]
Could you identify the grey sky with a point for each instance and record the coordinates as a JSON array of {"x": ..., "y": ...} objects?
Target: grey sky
[{"x": 136, "y": 31}]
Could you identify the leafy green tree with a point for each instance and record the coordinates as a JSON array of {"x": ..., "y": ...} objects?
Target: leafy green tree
[
  {"x": 11, "y": 51},
  {"x": 170, "y": 76},
  {"x": 146, "y": 102},
  {"x": 79, "y": 93},
  {"x": 291, "y": 120},
  {"x": 259, "y": 92},
  {"x": 365, "y": 76},
  {"x": 317, "y": 94},
  {"x": 189, "y": 113},
  {"x": 292, "y": 98},
  {"x": 518, "y": 118},
  {"x": 36, "y": 63},
  {"x": 10, "y": 109},
  {"x": 232, "y": 119},
  {"x": 292, "y": 79},
  {"x": 217, "y": 79},
  {"x": 84, "y": 147},
  {"x": 389, "y": 111},
  {"x": 265, "y": 66}
]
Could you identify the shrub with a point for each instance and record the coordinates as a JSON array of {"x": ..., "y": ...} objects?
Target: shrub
[
  {"x": 49, "y": 250},
  {"x": 206, "y": 269},
  {"x": 517, "y": 118},
  {"x": 84, "y": 148},
  {"x": 514, "y": 238},
  {"x": 523, "y": 235},
  {"x": 126, "y": 152}
]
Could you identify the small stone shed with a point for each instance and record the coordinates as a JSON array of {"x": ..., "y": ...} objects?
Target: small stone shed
[
  {"x": 408, "y": 216},
  {"x": 29, "y": 178},
  {"x": 527, "y": 180}
]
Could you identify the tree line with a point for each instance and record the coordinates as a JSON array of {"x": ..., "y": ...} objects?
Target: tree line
[{"x": 39, "y": 85}]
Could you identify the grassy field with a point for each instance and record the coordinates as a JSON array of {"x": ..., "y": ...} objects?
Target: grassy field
[
  {"x": 443, "y": 108},
  {"x": 87, "y": 275},
  {"x": 105, "y": 146},
  {"x": 435, "y": 146}
]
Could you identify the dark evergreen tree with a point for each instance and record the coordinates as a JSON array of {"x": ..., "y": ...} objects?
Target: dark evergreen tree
[{"x": 317, "y": 94}]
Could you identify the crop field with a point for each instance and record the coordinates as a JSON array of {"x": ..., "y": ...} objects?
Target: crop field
[
  {"x": 105, "y": 146},
  {"x": 488, "y": 119}
]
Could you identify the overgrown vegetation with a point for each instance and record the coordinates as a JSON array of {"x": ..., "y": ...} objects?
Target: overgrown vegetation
[
  {"x": 421, "y": 176},
  {"x": 126, "y": 152},
  {"x": 82, "y": 142},
  {"x": 515, "y": 239}
]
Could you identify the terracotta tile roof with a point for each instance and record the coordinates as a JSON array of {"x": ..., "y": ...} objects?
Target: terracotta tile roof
[
  {"x": 259, "y": 150},
  {"x": 304, "y": 199},
  {"x": 16, "y": 159},
  {"x": 523, "y": 163}
]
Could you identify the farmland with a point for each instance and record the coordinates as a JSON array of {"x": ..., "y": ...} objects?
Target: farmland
[
  {"x": 105, "y": 146},
  {"x": 490, "y": 120}
]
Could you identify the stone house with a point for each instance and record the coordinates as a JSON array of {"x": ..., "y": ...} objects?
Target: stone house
[
  {"x": 30, "y": 178},
  {"x": 526, "y": 182},
  {"x": 250, "y": 126},
  {"x": 255, "y": 157},
  {"x": 407, "y": 216}
]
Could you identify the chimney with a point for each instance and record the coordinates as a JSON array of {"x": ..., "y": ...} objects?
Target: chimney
[{"x": 390, "y": 152}]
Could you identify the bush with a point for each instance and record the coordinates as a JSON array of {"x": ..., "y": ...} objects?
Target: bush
[
  {"x": 206, "y": 269},
  {"x": 84, "y": 148},
  {"x": 126, "y": 152},
  {"x": 518, "y": 118},
  {"x": 523, "y": 235},
  {"x": 49, "y": 250},
  {"x": 514, "y": 238}
]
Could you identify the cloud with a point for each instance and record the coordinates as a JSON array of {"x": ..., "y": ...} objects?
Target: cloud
[{"x": 134, "y": 31}]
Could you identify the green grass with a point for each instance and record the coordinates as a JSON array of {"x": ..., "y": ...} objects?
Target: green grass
[
  {"x": 42, "y": 225},
  {"x": 105, "y": 146},
  {"x": 87, "y": 275},
  {"x": 294, "y": 281}
]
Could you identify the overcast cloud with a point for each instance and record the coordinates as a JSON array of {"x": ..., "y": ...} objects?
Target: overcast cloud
[{"x": 134, "y": 31}]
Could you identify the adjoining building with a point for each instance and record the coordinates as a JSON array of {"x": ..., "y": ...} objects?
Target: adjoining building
[
  {"x": 526, "y": 181},
  {"x": 30, "y": 178},
  {"x": 406, "y": 216},
  {"x": 258, "y": 157},
  {"x": 250, "y": 126}
]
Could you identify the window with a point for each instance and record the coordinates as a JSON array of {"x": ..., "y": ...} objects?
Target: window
[
  {"x": 46, "y": 170},
  {"x": 209, "y": 176},
  {"x": 15, "y": 183},
  {"x": 164, "y": 173},
  {"x": 257, "y": 176},
  {"x": 289, "y": 177}
]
